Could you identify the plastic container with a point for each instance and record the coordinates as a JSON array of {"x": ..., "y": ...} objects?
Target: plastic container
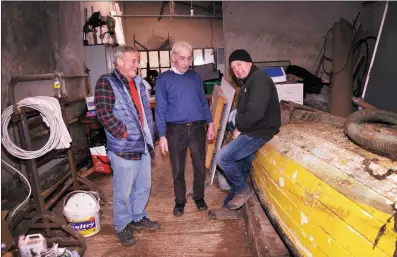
[
  {"x": 209, "y": 86},
  {"x": 90, "y": 103},
  {"x": 100, "y": 159},
  {"x": 31, "y": 245},
  {"x": 223, "y": 184},
  {"x": 82, "y": 212}
]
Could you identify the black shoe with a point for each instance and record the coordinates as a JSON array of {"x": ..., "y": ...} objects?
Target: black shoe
[
  {"x": 179, "y": 209},
  {"x": 144, "y": 223},
  {"x": 201, "y": 205},
  {"x": 125, "y": 236}
]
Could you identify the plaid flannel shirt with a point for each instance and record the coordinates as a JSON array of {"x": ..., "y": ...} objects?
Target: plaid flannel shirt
[{"x": 104, "y": 101}]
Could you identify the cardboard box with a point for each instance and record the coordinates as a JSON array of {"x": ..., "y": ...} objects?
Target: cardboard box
[{"x": 290, "y": 92}]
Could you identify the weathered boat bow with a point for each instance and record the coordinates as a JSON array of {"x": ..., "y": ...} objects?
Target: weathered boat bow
[{"x": 326, "y": 195}]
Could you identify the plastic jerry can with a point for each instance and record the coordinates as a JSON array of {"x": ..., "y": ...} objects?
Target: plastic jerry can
[{"x": 32, "y": 245}]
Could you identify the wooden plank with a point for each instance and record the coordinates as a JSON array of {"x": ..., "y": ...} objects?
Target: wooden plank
[
  {"x": 345, "y": 163},
  {"x": 264, "y": 239},
  {"x": 314, "y": 230},
  {"x": 289, "y": 218},
  {"x": 228, "y": 91},
  {"x": 217, "y": 106}
]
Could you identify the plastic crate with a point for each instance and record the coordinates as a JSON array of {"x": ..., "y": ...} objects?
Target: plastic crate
[{"x": 209, "y": 86}]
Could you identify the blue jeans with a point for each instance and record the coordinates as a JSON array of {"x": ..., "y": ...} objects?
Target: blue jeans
[
  {"x": 131, "y": 189},
  {"x": 235, "y": 159}
]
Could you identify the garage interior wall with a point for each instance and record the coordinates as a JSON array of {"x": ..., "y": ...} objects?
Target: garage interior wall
[
  {"x": 295, "y": 31},
  {"x": 151, "y": 32}
]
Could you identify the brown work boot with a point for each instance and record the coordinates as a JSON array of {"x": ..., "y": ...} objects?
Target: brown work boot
[
  {"x": 240, "y": 198},
  {"x": 224, "y": 213},
  {"x": 126, "y": 237},
  {"x": 144, "y": 223}
]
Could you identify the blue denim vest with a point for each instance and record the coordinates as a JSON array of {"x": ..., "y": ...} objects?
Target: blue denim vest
[{"x": 125, "y": 110}]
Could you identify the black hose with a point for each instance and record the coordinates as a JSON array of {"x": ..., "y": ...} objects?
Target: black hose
[
  {"x": 380, "y": 142},
  {"x": 360, "y": 88}
]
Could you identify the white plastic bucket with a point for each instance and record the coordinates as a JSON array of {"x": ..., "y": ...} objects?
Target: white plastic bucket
[{"x": 82, "y": 212}]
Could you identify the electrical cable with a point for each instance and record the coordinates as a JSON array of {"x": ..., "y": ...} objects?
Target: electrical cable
[
  {"x": 324, "y": 48},
  {"x": 16, "y": 151},
  {"x": 351, "y": 51},
  {"x": 27, "y": 182},
  {"x": 347, "y": 58},
  {"x": 359, "y": 89},
  {"x": 53, "y": 141},
  {"x": 354, "y": 47}
]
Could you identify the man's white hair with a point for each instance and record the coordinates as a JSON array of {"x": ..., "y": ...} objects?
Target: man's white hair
[
  {"x": 120, "y": 50},
  {"x": 179, "y": 45}
]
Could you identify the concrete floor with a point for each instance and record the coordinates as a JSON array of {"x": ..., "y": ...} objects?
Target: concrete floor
[{"x": 193, "y": 234}]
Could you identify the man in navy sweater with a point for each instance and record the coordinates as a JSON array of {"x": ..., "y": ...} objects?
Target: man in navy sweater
[{"x": 182, "y": 113}]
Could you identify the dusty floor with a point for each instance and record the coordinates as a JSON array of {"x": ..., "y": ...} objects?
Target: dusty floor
[{"x": 193, "y": 234}]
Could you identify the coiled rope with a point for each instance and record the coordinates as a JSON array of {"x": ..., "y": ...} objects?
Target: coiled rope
[{"x": 16, "y": 151}]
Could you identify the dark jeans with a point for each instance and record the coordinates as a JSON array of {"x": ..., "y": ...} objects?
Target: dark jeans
[
  {"x": 179, "y": 137},
  {"x": 235, "y": 159}
]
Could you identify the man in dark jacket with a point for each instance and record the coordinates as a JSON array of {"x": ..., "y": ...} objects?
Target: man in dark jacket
[{"x": 257, "y": 120}]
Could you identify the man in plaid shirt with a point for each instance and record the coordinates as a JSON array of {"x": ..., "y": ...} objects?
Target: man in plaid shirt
[{"x": 123, "y": 108}]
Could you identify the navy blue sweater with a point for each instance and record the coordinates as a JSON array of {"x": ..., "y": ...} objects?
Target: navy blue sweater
[{"x": 180, "y": 99}]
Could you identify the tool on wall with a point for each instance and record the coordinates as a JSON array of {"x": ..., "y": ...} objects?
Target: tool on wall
[
  {"x": 111, "y": 25},
  {"x": 94, "y": 22}
]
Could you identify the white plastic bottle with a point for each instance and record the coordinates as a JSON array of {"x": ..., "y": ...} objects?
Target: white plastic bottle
[{"x": 31, "y": 245}]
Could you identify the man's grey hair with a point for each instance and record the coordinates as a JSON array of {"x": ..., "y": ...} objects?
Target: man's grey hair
[
  {"x": 179, "y": 45},
  {"x": 120, "y": 50}
]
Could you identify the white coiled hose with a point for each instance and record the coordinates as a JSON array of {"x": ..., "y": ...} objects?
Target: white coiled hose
[{"x": 16, "y": 151}]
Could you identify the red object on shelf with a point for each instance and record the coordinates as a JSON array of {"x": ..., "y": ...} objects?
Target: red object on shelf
[{"x": 100, "y": 159}]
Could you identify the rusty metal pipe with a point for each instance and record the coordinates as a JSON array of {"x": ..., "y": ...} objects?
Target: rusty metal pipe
[
  {"x": 60, "y": 193},
  {"x": 33, "y": 172},
  {"x": 63, "y": 241},
  {"x": 38, "y": 77},
  {"x": 342, "y": 69},
  {"x": 31, "y": 164}
]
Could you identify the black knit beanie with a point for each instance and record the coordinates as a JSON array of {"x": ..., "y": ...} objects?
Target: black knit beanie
[{"x": 240, "y": 55}]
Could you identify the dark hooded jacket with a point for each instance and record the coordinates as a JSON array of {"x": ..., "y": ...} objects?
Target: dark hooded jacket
[{"x": 258, "y": 108}]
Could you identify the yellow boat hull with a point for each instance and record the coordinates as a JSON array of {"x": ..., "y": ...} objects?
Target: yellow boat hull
[{"x": 316, "y": 190}]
